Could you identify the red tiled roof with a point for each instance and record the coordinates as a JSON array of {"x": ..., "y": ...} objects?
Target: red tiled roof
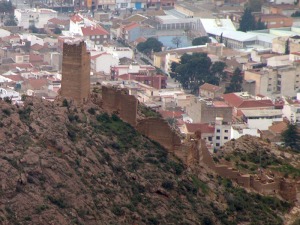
[
  {"x": 35, "y": 58},
  {"x": 210, "y": 87},
  {"x": 140, "y": 39},
  {"x": 14, "y": 77},
  {"x": 97, "y": 55},
  {"x": 202, "y": 127},
  {"x": 278, "y": 128},
  {"x": 256, "y": 104},
  {"x": 131, "y": 26},
  {"x": 170, "y": 114},
  {"x": 21, "y": 65},
  {"x": 235, "y": 101},
  {"x": 37, "y": 84},
  {"x": 36, "y": 47},
  {"x": 59, "y": 21},
  {"x": 93, "y": 30},
  {"x": 76, "y": 18},
  {"x": 295, "y": 53}
]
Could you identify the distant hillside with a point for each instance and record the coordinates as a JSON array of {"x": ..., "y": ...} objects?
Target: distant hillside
[{"x": 62, "y": 164}]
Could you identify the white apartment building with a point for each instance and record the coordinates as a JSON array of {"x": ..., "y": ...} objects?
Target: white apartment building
[
  {"x": 224, "y": 132},
  {"x": 103, "y": 62},
  {"x": 36, "y": 17},
  {"x": 9, "y": 93},
  {"x": 291, "y": 110},
  {"x": 261, "y": 119}
]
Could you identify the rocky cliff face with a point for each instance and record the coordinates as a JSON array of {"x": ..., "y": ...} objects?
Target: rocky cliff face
[{"x": 62, "y": 164}]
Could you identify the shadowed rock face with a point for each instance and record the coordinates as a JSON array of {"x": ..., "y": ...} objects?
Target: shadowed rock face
[{"x": 60, "y": 164}]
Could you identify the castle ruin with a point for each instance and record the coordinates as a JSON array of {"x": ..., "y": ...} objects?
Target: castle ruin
[{"x": 75, "y": 83}]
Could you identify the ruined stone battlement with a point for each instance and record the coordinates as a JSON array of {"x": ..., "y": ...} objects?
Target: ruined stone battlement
[{"x": 193, "y": 152}]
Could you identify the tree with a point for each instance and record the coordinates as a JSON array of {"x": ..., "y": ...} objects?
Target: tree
[
  {"x": 218, "y": 70},
  {"x": 254, "y": 5},
  {"x": 151, "y": 44},
  {"x": 33, "y": 29},
  {"x": 291, "y": 137},
  {"x": 221, "y": 38},
  {"x": 296, "y": 14},
  {"x": 6, "y": 7},
  {"x": 201, "y": 40},
  {"x": 260, "y": 25},
  {"x": 247, "y": 21},
  {"x": 57, "y": 30},
  {"x": 11, "y": 21},
  {"x": 176, "y": 41},
  {"x": 196, "y": 69},
  {"x": 235, "y": 82},
  {"x": 287, "y": 47}
]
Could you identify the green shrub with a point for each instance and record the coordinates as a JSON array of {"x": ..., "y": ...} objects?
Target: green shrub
[
  {"x": 168, "y": 185},
  {"x": 6, "y": 112},
  {"x": 92, "y": 111},
  {"x": 59, "y": 201},
  {"x": 117, "y": 210}
]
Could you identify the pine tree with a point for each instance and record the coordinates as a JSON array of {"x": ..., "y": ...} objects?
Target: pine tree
[
  {"x": 291, "y": 137},
  {"x": 260, "y": 25},
  {"x": 287, "y": 47},
  {"x": 235, "y": 82},
  {"x": 221, "y": 38},
  {"x": 247, "y": 21}
]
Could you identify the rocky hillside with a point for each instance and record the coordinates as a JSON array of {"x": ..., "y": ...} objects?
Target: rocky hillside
[
  {"x": 61, "y": 164},
  {"x": 249, "y": 153}
]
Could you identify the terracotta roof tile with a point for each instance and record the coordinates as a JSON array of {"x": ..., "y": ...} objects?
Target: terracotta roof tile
[
  {"x": 59, "y": 21},
  {"x": 278, "y": 128},
  {"x": 210, "y": 87},
  {"x": 36, "y": 47},
  {"x": 15, "y": 78},
  {"x": 37, "y": 84},
  {"x": 131, "y": 26},
  {"x": 93, "y": 30},
  {"x": 35, "y": 58},
  {"x": 235, "y": 101},
  {"x": 76, "y": 18},
  {"x": 170, "y": 114},
  {"x": 202, "y": 127}
]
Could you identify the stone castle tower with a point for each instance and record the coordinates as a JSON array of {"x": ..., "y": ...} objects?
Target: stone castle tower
[{"x": 75, "y": 82}]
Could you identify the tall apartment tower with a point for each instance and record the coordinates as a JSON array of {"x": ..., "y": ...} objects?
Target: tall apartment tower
[{"x": 75, "y": 82}]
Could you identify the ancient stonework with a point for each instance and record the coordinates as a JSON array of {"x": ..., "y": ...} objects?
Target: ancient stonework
[{"x": 75, "y": 82}]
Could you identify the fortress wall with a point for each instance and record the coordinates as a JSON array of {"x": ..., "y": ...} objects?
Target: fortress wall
[{"x": 160, "y": 131}]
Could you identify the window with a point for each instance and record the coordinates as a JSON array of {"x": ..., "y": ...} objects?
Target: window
[
  {"x": 124, "y": 5},
  {"x": 97, "y": 42},
  {"x": 218, "y": 137},
  {"x": 218, "y": 144},
  {"x": 92, "y": 37},
  {"x": 210, "y": 138},
  {"x": 218, "y": 130},
  {"x": 226, "y": 131},
  {"x": 225, "y": 138}
]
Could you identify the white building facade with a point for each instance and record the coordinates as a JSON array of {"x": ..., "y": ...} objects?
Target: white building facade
[
  {"x": 261, "y": 119},
  {"x": 36, "y": 17}
]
